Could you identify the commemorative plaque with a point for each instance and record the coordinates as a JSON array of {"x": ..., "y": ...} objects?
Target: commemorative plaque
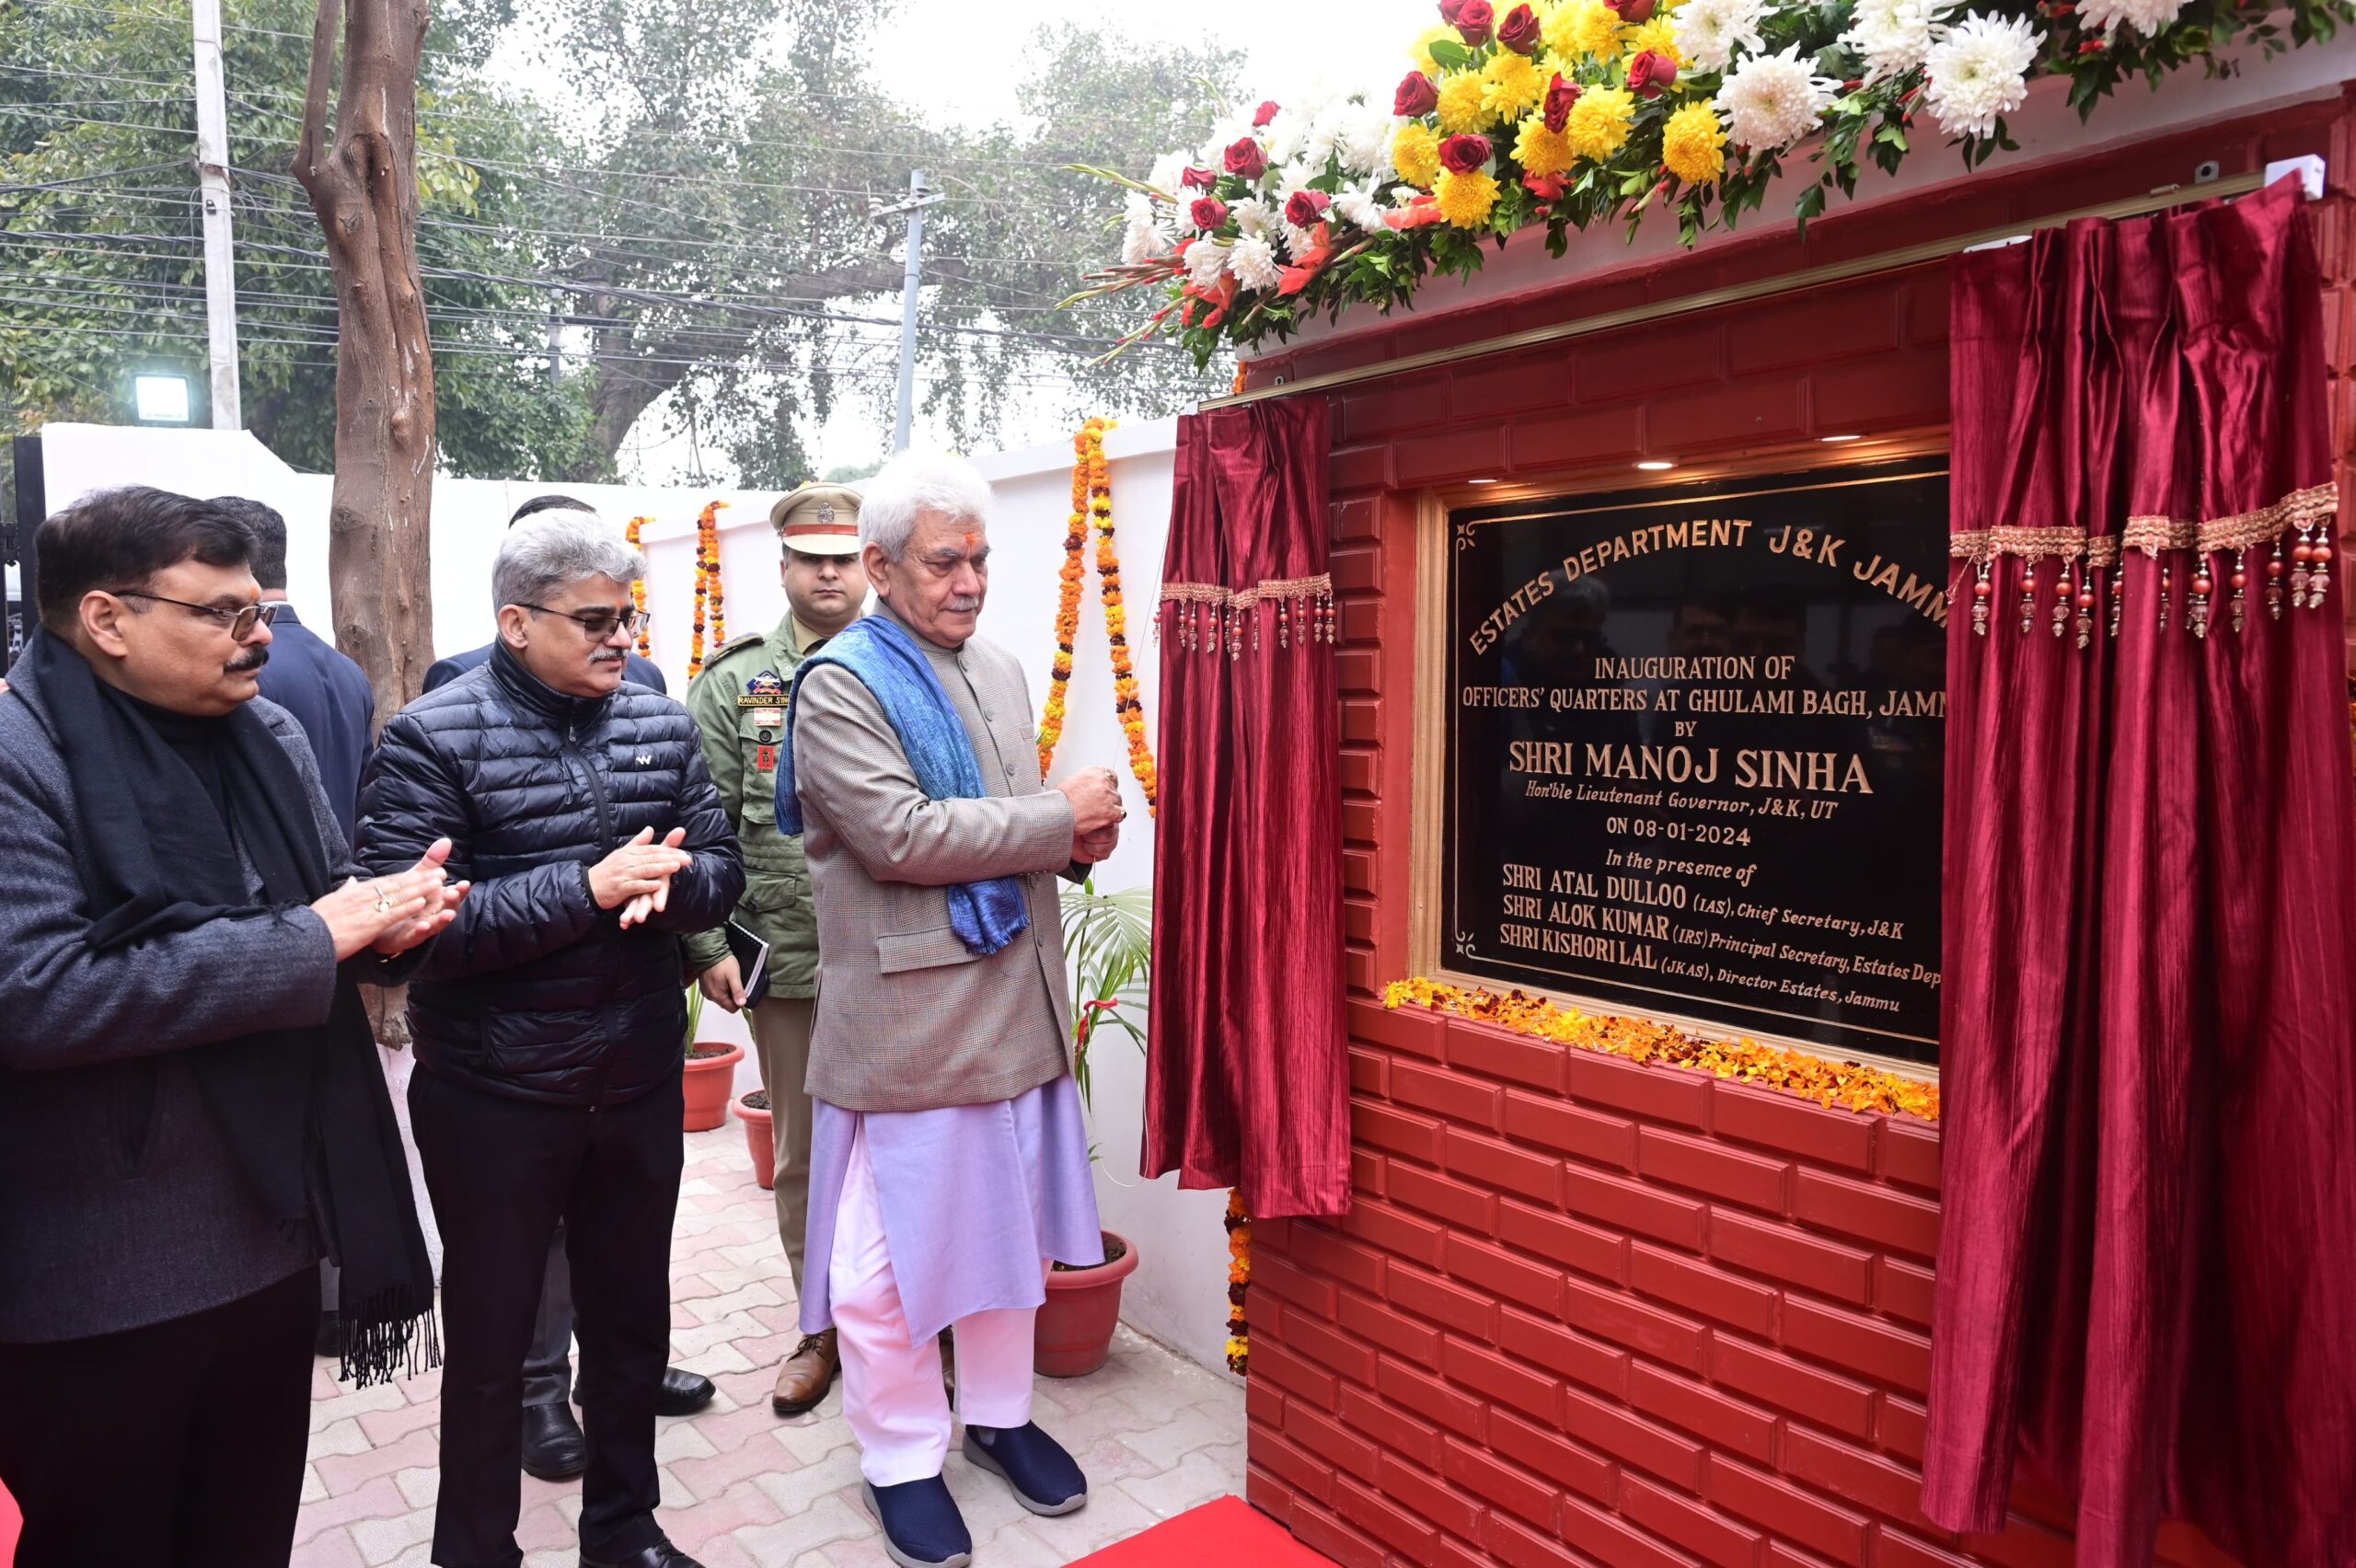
[{"x": 1695, "y": 737}]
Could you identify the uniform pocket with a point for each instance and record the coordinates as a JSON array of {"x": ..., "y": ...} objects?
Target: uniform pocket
[{"x": 897, "y": 953}]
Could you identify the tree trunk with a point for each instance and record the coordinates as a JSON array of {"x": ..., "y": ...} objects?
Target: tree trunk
[{"x": 363, "y": 185}]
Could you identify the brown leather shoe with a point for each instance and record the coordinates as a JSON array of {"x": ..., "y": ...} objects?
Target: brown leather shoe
[{"x": 806, "y": 1375}]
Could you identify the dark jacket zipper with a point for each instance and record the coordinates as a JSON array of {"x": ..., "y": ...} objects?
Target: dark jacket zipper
[{"x": 606, "y": 846}]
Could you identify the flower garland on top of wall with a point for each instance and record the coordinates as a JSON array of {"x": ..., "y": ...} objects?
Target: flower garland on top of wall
[
  {"x": 1091, "y": 506},
  {"x": 638, "y": 586},
  {"x": 1564, "y": 114},
  {"x": 1850, "y": 1085},
  {"x": 708, "y": 594}
]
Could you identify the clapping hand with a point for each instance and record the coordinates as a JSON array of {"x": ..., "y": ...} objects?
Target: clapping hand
[
  {"x": 634, "y": 876},
  {"x": 1096, "y": 812},
  {"x": 391, "y": 914}
]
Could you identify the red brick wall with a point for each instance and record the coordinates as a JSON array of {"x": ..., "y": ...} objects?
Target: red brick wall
[{"x": 1583, "y": 1312}]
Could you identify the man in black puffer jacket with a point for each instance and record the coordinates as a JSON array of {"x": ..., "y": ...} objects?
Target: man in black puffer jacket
[{"x": 551, "y": 1022}]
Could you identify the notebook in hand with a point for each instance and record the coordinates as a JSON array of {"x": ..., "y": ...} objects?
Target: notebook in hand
[{"x": 752, "y": 956}]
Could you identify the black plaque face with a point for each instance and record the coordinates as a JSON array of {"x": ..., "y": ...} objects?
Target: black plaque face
[{"x": 1694, "y": 752}]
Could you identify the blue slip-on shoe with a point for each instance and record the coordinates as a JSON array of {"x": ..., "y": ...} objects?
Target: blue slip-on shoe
[
  {"x": 922, "y": 1527},
  {"x": 1045, "y": 1478}
]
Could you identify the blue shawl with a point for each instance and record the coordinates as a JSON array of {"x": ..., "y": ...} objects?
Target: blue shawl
[{"x": 881, "y": 652}]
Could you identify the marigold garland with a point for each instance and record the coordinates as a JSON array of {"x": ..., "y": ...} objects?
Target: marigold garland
[
  {"x": 707, "y": 587},
  {"x": 1849, "y": 1085},
  {"x": 1091, "y": 506},
  {"x": 638, "y": 587},
  {"x": 1239, "y": 1283}
]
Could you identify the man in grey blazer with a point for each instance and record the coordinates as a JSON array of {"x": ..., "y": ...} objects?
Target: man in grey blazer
[
  {"x": 949, "y": 1159},
  {"x": 191, "y": 1109}
]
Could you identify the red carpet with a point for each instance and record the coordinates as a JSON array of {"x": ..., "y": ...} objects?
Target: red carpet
[{"x": 1229, "y": 1532}]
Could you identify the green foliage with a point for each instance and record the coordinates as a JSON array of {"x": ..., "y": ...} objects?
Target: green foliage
[
  {"x": 1108, "y": 942},
  {"x": 690, "y": 212}
]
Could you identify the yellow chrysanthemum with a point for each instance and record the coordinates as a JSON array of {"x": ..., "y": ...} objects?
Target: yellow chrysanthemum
[
  {"x": 1465, "y": 199},
  {"x": 1692, "y": 145},
  {"x": 1599, "y": 125},
  {"x": 1511, "y": 85},
  {"x": 1463, "y": 102},
  {"x": 1660, "y": 34},
  {"x": 1540, "y": 151},
  {"x": 1582, "y": 27},
  {"x": 1420, "y": 51},
  {"x": 1415, "y": 151}
]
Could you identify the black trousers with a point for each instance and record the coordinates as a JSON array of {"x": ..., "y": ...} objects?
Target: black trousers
[
  {"x": 177, "y": 1446},
  {"x": 502, "y": 1172}
]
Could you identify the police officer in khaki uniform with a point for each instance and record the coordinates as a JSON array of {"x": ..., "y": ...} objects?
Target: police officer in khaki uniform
[{"x": 739, "y": 705}]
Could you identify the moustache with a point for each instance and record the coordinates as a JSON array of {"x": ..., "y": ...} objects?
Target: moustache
[
  {"x": 604, "y": 657},
  {"x": 963, "y": 603},
  {"x": 245, "y": 662}
]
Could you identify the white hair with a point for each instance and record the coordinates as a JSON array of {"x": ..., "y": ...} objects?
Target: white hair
[
  {"x": 914, "y": 483},
  {"x": 551, "y": 550}
]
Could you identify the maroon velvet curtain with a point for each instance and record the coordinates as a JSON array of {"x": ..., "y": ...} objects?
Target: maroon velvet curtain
[
  {"x": 1247, "y": 1082},
  {"x": 2147, "y": 1264}
]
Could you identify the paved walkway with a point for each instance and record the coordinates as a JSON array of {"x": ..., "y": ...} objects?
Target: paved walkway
[{"x": 742, "y": 1489}]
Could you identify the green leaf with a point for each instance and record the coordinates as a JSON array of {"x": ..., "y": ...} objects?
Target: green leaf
[{"x": 1450, "y": 53}]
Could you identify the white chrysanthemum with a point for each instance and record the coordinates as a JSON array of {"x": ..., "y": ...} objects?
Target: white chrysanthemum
[
  {"x": 1284, "y": 134},
  {"x": 1253, "y": 217},
  {"x": 1978, "y": 71},
  {"x": 1207, "y": 262},
  {"x": 1360, "y": 209},
  {"x": 1146, "y": 234},
  {"x": 1253, "y": 262},
  {"x": 1709, "y": 32},
  {"x": 1323, "y": 139},
  {"x": 1366, "y": 141},
  {"x": 1771, "y": 101},
  {"x": 2146, "y": 16},
  {"x": 1891, "y": 36},
  {"x": 1168, "y": 170},
  {"x": 1226, "y": 131}
]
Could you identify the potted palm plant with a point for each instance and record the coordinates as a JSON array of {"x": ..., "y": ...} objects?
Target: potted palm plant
[
  {"x": 711, "y": 1071},
  {"x": 1108, "y": 942}
]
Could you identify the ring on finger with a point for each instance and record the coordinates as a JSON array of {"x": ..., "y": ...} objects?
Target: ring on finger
[{"x": 384, "y": 904}]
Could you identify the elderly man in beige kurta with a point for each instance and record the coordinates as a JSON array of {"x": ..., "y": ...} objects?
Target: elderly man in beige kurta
[{"x": 949, "y": 1161}]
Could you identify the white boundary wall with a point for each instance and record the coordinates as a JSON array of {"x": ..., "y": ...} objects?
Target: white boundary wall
[{"x": 1179, "y": 1293}]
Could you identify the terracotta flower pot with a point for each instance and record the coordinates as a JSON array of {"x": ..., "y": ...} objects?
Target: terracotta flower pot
[
  {"x": 1075, "y": 1326},
  {"x": 760, "y": 1137},
  {"x": 710, "y": 1079}
]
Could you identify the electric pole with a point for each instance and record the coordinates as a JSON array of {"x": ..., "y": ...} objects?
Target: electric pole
[
  {"x": 213, "y": 184},
  {"x": 918, "y": 199}
]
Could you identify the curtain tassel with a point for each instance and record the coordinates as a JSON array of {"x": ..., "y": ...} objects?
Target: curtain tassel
[
  {"x": 1983, "y": 590},
  {"x": 2167, "y": 586},
  {"x": 2238, "y": 581},
  {"x": 2084, "y": 602},
  {"x": 2065, "y": 592},
  {"x": 2028, "y": 594},
  {"x": 2197, "y": 613},
  {"x": 2274, "y": 569}
]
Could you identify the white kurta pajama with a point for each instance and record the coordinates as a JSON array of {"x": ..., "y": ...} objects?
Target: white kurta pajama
[{"x": 931, "y": 1218}]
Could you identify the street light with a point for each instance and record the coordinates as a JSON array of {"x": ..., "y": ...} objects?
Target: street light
[{"x": 162, "y": 399}]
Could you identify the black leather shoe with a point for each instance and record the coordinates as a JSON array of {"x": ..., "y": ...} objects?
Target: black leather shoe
[
  {"x": 553, "y": 1445},
  {"x": 684, "y": 1393},
  {"x": 661, "y": 1554},
  {"x": 329, "y": 1342}
]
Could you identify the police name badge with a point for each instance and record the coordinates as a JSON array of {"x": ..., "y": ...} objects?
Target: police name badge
[{"x": 766, "y": 693}]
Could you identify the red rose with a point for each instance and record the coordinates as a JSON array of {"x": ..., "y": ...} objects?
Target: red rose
[
  {"x": 1199, "y": 179},
  {"x": 1560, "y": 96},
  {"x": 1633, "y": 11},
  {"x": 1306, "y": 208},
  {"x": 1415, "y": 98},
  {"x": 1519, "y": 31},
  {"x": 1465, "y": 154},
  {"x": 1650, "y": 74},
  {"x": 1245, "y": 160},
  {"x": 1268, "y": 113},
  {"x": 1450, "y": 9},
  {"x": 1208, "y": 213},
  {"x": 1474, "y": 22}
]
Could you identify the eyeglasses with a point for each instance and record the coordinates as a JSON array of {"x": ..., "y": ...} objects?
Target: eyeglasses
[
  {"x": 240, "y": 621},
  {"x": 598, "y": 624}
]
